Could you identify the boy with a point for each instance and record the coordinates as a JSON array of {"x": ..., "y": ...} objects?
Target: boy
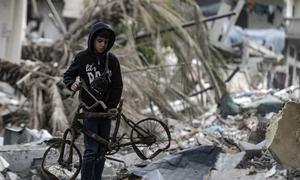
[{"x": 90, "y": 64}]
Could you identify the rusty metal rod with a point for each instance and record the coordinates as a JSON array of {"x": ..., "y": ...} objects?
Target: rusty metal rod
[{"x": 187, "y": 24}]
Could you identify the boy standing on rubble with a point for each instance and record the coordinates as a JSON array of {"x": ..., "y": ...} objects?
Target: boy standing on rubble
[{"x": 90, "y": 64}]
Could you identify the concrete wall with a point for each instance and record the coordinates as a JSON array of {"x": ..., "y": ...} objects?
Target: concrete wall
[{"x": 296, "y": 8}]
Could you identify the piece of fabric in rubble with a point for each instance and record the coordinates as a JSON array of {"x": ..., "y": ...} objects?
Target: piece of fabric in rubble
[{"x": 188, "y": 164}]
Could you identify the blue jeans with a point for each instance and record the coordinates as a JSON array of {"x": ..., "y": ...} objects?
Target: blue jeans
[{"x": 93, "y": 157}]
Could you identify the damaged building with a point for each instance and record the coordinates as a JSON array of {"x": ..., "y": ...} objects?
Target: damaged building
[{"x": 264, "y": 36}]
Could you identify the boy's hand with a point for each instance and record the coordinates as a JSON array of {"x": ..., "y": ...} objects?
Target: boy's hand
[
  {"x": 76, "y": 85},
  {"x": 113, "y": 110}
]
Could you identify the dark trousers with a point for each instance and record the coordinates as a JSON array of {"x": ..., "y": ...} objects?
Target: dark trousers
[{"x": 93, "y": 157}]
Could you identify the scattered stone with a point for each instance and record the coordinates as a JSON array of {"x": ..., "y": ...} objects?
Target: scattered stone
[{"x": 196, "y": 123}]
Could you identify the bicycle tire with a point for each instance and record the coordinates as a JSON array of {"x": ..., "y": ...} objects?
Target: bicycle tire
[
  {"x": 57, "y": 146},
  {"x": 150, "y": 128}
]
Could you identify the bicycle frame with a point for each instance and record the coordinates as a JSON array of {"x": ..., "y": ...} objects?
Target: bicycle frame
[
  {"x": 114, "y": 141},
  {"x": 112, "y": 145}
]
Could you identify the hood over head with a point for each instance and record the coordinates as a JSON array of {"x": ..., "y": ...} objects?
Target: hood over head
[{"x": 96, "y": 28}]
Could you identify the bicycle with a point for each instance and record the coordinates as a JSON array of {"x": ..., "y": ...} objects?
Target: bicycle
[{"x": 148, "y": 137}]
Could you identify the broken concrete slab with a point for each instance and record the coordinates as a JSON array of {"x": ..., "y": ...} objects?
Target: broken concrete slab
[
  {"x": 5, "y": 173},
  {"x": 246, "y": 146},
  {"x": 21, "y": 157},
  {"x": 283, "y": 136},
  {"x": 229, "y": 161},
  {"x": 252, "y": 149},
  {"x": 23, "y": 135}
]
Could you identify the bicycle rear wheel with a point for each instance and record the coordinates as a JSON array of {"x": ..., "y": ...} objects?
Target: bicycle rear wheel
[
  {"x": 149, "y": 137},
  {"x": 68, "y": 167}
]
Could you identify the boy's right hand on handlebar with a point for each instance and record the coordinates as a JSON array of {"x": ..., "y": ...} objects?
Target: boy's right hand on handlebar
[{"x": 76, "y": 85}]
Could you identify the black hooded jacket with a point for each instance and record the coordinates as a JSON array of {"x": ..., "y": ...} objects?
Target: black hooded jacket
[{"x": 89, "y": 65}]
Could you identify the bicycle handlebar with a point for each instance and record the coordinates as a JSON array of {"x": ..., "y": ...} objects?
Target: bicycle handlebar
[
  {"x": 97, "y": 102},
  {"x": 83, "y": 86},
  {"x": 84, "y": 115}
]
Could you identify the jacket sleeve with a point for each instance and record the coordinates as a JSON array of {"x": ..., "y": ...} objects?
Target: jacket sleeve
[
  {"x": 71, "y": 73},
  {"x": 116, "y": 85}
]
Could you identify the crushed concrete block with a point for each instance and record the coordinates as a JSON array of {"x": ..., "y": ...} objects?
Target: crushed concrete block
[
  {"x": 229, "y": 161},
  {"x": 21, "y": 157},
  {"x": 246, "y": 146},
  {"x": 252, "y": 149},
  {"x": 283, "y": 136}
]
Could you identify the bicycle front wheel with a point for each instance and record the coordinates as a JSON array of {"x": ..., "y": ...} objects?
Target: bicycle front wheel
[
  {"x": 149, "y": 137},
  {"x": 58, "y": 164}
]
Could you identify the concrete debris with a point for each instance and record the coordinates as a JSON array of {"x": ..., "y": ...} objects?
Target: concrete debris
[
  {"x": 283, "y": 134},
  {"x": 229, "y": 161},
  {"x": 5, "y": 173},
  {"x": 21, "y": 157},
  {"x": 246, "y": 146},
  {"x": 23, "y": 135}
]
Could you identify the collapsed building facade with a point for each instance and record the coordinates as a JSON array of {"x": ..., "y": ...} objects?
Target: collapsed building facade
[{"x": 263, "y": 36}]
